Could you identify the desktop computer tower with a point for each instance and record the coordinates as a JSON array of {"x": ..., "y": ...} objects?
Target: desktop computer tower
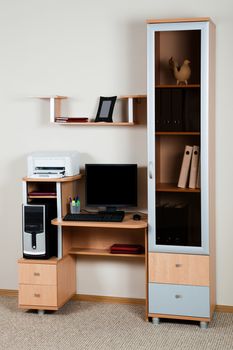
[{"x": 39, "y": 235}]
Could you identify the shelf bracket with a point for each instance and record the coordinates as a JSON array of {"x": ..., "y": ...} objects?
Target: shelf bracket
[
  {"x": 130, "y": 110},
  {"x": 55, "y": 109},
  {"x": 55, "y": 106}
]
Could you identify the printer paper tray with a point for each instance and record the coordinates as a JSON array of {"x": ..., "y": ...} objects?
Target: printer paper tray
[{"x": 49, "y": 176}]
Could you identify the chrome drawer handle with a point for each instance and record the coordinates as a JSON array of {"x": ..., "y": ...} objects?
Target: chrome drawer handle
[
  {"x": 178, "y": 296},
  {"x": 36, "y": 274},
  {"x": 150, "y": 170},
  {"x": 36, "y": 295},
  {"x": 178, "y": 265}
]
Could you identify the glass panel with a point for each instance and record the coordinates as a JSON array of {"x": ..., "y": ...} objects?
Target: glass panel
[
  {"x": 172, "y": 48},
  {"x": 178, "y": 219},
  {"x": 177, "y": 109},
  {"x": 177, "y": 125}
]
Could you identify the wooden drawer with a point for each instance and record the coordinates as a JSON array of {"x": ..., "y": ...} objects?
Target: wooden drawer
[
  {"x": 36, "y": 295},
  {"x": 170, "y": 299},
  {"x": 179, "y": 269},
  {"x": 31, "y": 273}
]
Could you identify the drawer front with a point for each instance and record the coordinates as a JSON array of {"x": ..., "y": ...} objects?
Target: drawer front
[
  {"x": 37, "y": 274},
  {"x": 37, "y": 295},
  {"x": 179, "y": 300},
  {"x": 179, "y": 269}
]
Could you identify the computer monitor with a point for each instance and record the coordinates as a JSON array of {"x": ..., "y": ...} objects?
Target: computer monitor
[{"x": 111, "y": 185}]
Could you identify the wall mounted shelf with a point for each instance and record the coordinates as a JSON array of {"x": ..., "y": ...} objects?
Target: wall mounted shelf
[{"x": 130, "y": 111}]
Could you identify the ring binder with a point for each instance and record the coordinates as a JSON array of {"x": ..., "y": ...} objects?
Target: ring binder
[{"x": 183, "y": 179}]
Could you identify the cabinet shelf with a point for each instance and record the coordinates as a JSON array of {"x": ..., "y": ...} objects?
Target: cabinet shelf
[
  {"x": 177, "y": 133},
  {"x": 33, "y": 197},
  {"x": 54, "y": 180},
  {"x": 102, "y": 252},
  {"x": 173, "y": 86},
  {"x": 171, "y": 187}
]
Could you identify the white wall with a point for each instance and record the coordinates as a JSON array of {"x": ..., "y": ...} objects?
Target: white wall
[{"x": 84, "y": 49}]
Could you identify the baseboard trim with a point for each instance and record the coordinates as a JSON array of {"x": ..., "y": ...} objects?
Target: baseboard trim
[
  {"x": 106, "y": 299},
  {"x": 85, "y": 297},
  {"x": 8, "y": 293},
  {"x": 224, "y": 308}
]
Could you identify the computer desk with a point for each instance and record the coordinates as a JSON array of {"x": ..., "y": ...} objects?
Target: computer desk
[
  {"x": 49, "y": 284},
  {"x": 95, "y": 238}
]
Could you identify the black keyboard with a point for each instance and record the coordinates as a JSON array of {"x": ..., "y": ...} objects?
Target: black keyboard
[{"x": 104, "y": 217}]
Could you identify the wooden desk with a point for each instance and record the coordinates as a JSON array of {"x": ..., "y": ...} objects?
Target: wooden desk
[
  {"x": 96, "y": 238},
  {"x": 48, "y": 284}
]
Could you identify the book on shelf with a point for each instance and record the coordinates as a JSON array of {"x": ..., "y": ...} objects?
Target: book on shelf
[
  {"x": 163, "y": 110},
  {"x": 71, "y": 119},
  {"x": 198, "y": 185},
  {"x": 176, "y": 109},
  {"x": 192, "y": 110},
  {"x": 194, "y": 167},
  {"x": 127, "y": 249},
  {"x": 168, "y": 109},
  {"x": 42, "y": 193},
  {"x": 185, "y": 167}
]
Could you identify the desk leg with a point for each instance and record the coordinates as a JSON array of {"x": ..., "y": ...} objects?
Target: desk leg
[{"x": 41, "y": 312}]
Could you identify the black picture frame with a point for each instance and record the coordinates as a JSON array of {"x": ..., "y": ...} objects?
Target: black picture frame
[{"x": 105, "y": 109}]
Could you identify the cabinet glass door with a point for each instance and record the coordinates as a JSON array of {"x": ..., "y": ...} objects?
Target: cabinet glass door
[{"x": 178, "y": 162}]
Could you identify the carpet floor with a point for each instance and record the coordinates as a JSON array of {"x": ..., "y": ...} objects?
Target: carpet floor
[{"x": 94, "y": 326}]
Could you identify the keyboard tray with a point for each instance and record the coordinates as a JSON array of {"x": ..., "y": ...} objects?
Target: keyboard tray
[{"x": 101, "y": 217}]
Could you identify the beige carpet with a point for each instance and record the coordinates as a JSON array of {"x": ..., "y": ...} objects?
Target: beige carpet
[{"x": 84, "y": 325}]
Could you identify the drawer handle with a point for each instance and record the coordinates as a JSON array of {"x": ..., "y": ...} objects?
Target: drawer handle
[
  {"x": 36, "y": 295},
  {"x": 178, "y": 296},
  {"x": 178, "y": 265},
  {"x": 150, "y": 170},
  {"x": 36, "y": 274}
]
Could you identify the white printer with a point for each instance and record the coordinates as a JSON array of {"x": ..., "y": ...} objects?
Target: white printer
[{"x": 52, "y": 164}]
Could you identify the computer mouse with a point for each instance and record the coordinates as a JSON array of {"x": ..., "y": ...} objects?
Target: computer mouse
[{"x": 136, "y": 217}]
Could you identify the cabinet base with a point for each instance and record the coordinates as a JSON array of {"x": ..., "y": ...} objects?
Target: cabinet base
[
  {"x": 39, "y": 308},
  {"x": 203, "y": 325},
  {"x": 157, "y": 318},
  {"x": 156, "y": 321},
  {"x": 41, "y": 312}
]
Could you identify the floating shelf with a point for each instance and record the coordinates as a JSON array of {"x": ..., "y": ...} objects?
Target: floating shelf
[
  {"x": 171, "y": 187},
  {"x": 102, "y": 252},
  {"x": 124, "y": 97},
  {"x": 97, "y": 124},
  {"x": 55, "y": 111}
]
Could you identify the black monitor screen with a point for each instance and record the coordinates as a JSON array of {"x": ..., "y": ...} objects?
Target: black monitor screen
[{"x": 111, "y": 185}]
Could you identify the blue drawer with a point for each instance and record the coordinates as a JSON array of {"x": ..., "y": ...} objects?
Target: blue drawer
[{"x": 172, "y": 299}]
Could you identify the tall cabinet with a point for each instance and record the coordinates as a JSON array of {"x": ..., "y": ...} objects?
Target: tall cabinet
[{"x": 181, "y": 220}]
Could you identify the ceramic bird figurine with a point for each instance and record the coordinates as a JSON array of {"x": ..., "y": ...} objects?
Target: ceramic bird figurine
[{"x": 181, "y": 73}]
